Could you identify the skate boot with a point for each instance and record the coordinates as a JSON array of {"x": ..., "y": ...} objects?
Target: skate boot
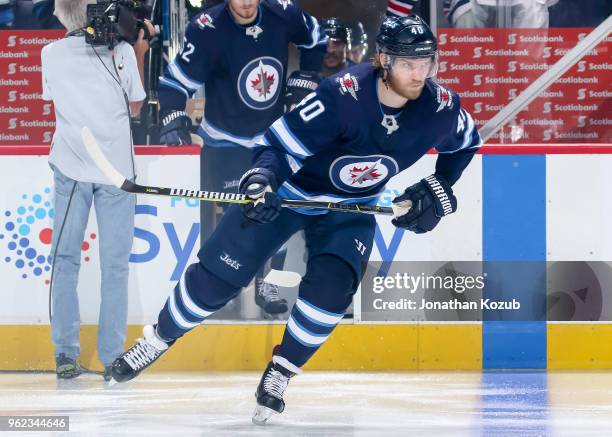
[
  {"x": 266, "y": 297},
  {"x": 270, "y": 390},
  {"x": 140, "y": 356}
]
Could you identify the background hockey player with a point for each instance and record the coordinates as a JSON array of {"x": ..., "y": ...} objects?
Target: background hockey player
[
  {"x": 358, "y": 39},
  {"x": 337, "y": 48},
  {"x": 238, "y": 49},
  {"x": 342, "y": 143}
]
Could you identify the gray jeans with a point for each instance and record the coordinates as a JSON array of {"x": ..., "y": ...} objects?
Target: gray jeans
[{"x": 115, "y": 216}]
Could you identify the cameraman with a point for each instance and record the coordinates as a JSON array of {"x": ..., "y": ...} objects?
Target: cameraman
[{"x": 90, "y": 86}]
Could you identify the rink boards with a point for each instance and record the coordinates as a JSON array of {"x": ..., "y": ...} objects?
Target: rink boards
[{"x": 552, "y": 206}]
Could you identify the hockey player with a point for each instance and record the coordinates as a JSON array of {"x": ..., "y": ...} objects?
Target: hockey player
[
  {"x": 358, "y": 42},
  {"x": 337, "y": 48},
  {"x": 342, "y": 144},
  {"x": 238, "y": 49}
]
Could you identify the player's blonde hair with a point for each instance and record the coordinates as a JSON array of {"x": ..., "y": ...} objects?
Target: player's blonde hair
[{"x": 72, "y": 13}]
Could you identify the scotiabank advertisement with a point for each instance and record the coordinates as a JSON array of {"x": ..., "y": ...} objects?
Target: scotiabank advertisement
[
  {"x": 491, "y": 67},
  {"x": 25, "y": 118}
]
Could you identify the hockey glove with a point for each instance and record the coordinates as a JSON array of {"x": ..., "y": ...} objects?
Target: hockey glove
[
  {"x": 299, "y": 85},
  {"x": 431, "y": 199},
  {"x": 176, "y": 128},
  {"x": 259, "y": 184}
]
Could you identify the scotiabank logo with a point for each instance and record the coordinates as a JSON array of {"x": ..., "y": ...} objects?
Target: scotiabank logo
[
  {"x": 512, "y": 66},
  {"x": 547, "y": 108},
  {"x": 12, "y": 96},
  {"x": 478, "y": 79},
  {"x": 442, "y": 39},
  {"x": 12, "y": 124},
  {"x": 512, "y": 93},
  {"x": 581, "y": 121},
  {"x": 46, "y": 109},
  {"x": 546, "y": 53},
  {"x": 547, "y": 136},
  {"x": 443, "y": 67},
  {"x": 581, "y": 66},
  {"x": 477, "y": 107},
  {"x": 582, "y": 94},
  {"x": 511, "y": 39},
  {"x": 477, "y": 52},
  {"x": 12, "y": 68},
  {"x": 47, "y": 137},
  {"x": 12, "y": 41}
]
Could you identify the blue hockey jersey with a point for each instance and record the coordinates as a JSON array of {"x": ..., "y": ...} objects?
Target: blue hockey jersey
[
  {"x": 243, "y": 68},
  {"x": 338, "y": 145}
]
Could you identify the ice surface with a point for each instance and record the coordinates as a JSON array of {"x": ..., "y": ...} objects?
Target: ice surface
[{"x": 322, "y": 404}]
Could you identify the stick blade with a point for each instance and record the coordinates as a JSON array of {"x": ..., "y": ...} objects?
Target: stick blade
[
  {"x": 283, "y": 278},
  {"x": 96, "y": 154}
]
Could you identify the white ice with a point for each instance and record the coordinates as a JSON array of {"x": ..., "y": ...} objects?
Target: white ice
[{"x": 322, "y": 404}]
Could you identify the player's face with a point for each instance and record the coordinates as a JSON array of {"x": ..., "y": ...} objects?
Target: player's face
[
  {"x": 245, "y": 10},
  {"x": 407, "y": 76},
  {"x": 335, "y": 54}
]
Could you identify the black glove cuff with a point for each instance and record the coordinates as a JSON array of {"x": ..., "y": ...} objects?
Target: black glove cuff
[
  {"x": 261, "y": 173},
  {"x": 442, "y": 195},
  {"x": 171, "y": 115}
]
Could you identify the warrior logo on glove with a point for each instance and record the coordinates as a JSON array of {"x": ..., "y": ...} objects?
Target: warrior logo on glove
[{"x": 429, "y": 201}]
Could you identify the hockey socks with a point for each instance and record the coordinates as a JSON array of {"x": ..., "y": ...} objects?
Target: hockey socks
[
  {"x": 307, "y": 329},
  {"x": 195, "y": 297}
]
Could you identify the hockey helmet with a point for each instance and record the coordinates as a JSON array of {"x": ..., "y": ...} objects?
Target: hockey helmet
[{"x": 407, "y": 37}]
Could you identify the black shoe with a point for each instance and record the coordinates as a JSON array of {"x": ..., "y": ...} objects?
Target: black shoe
[
  {"x": 271, "y": 388},
  {"x": 267, "y": 297},
  {"x": 67, "y": 368},
  {"x": 140, "y": 356}
]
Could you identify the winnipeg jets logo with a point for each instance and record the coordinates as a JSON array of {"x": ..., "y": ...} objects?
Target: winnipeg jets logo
[
  {"x": 390, "y": 123},
  {"x": 285, "y": 3},
  {"x": 205, "y": 21},
  {"x": 361, "y": 173},
  {"x": 444, "y": 98},
  {"x": 229, "y": 261},
  {"x": 259, "y": 82},
  {"x": 263, "y": 81},
  {"x": 254, "y": 31},
  {"x": 348, "y": 85}
]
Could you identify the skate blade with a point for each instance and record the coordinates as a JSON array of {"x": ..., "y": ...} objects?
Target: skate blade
[
  {"x": 112, "y": 382},
  {"x": 262, "y": 414}
]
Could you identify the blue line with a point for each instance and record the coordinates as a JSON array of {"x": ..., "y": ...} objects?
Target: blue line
[{"x": 514, "y": 254}]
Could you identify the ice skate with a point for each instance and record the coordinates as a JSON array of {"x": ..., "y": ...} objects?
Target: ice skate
[
  {"x": 271, "y": 387},
  {"x": 140, "y": 356}
]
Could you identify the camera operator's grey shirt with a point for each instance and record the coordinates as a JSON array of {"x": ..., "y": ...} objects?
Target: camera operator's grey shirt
[{"x": 85, "y": 94}]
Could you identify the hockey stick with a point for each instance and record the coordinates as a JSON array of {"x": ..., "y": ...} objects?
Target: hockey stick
[{"x": 118, "y": 180}]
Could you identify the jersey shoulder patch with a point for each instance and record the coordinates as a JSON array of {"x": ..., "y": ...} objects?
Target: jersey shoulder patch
[
  {"x": 348, "y": 85},
  {"x": 209, "y": 19},
  {"x": 353, "y": 81},
  {"x": 445, "y": 98}
]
